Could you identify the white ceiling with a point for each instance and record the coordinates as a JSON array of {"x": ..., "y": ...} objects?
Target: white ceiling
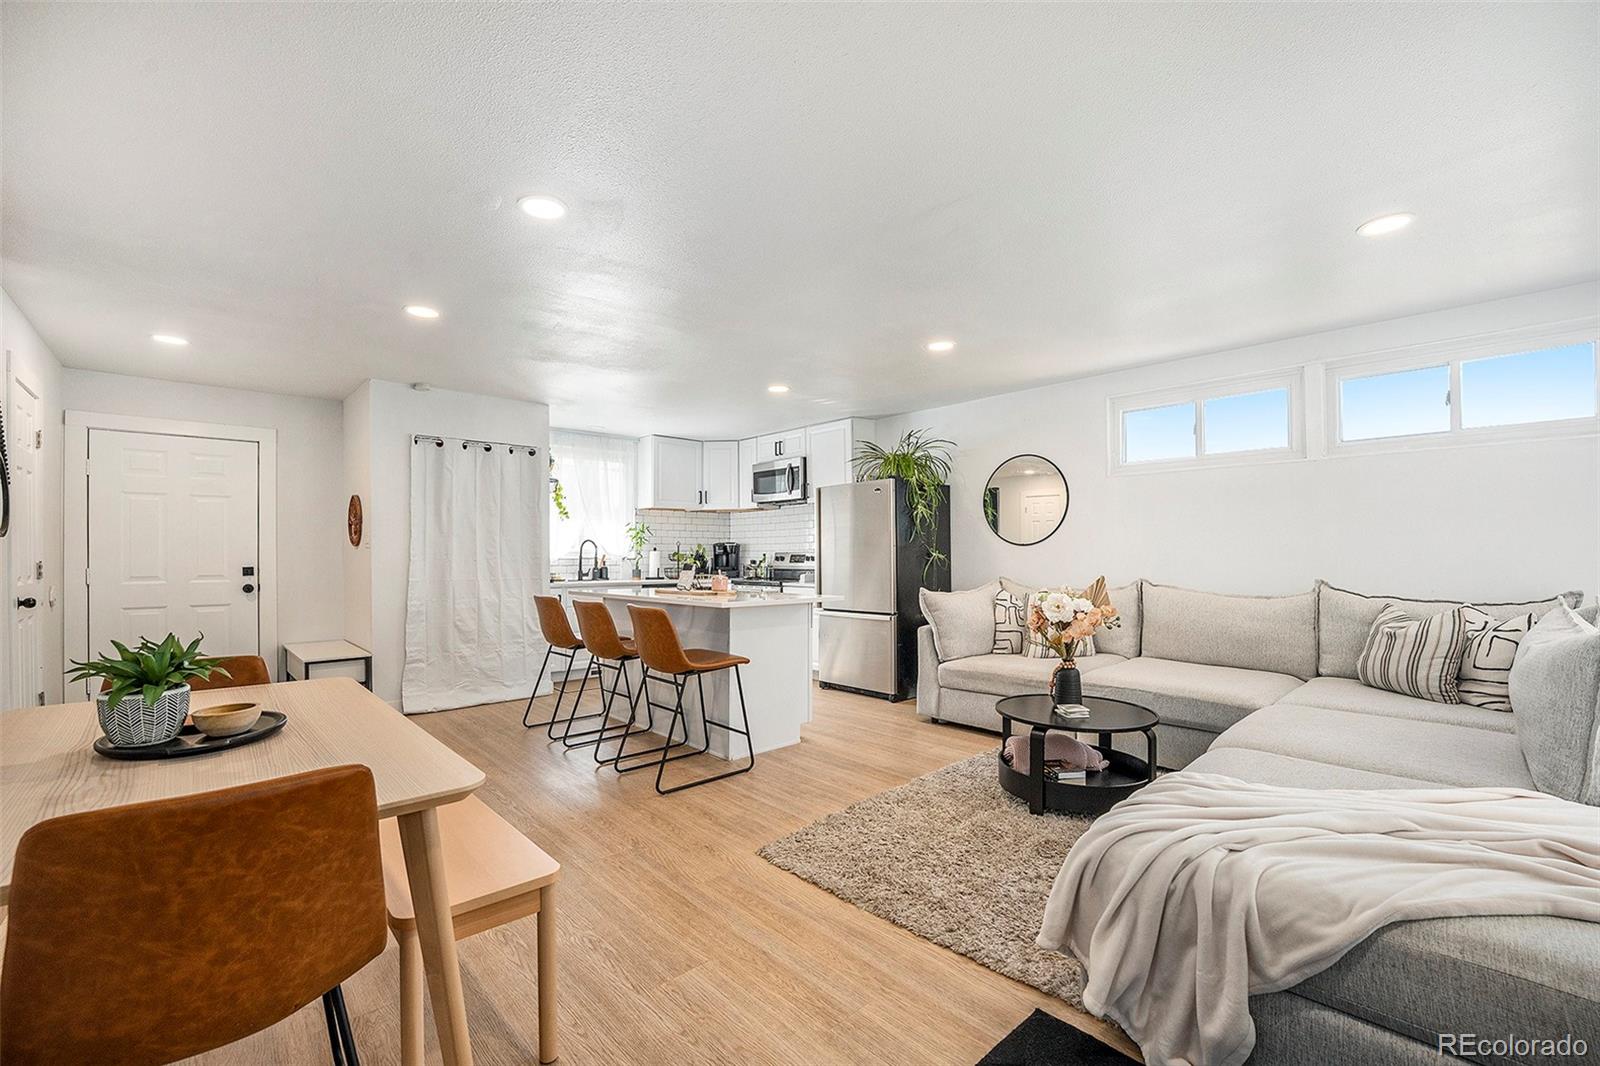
[{"x": 762, "y": 193}]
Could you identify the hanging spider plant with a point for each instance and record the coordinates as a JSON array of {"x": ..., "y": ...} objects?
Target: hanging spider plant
[{"x": 921, "y": 461}]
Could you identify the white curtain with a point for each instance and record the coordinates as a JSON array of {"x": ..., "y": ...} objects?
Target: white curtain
[
  {"x": 472, "y": 633},
  {"x": 597, "y": 480}
]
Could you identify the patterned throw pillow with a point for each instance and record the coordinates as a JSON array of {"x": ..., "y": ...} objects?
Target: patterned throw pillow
[
  {"x": 1010, "y": 622},
  {"x": 1034, "y": 648},
  {"x": 1485, "y": 679},
  {"x": 1418, "y": 657}
]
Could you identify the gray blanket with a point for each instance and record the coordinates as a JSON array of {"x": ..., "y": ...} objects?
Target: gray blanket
[{"x": 1202, "y": 890}]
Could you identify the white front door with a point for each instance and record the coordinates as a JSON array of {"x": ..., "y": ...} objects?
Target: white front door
[
  {"x": 173, "y": 536},
  {"x": 26, "y": 546},
  {"x": 1041, "y": 513}
]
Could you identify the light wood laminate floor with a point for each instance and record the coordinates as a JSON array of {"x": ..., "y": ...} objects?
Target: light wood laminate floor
[{"x": 678, "y": 944}]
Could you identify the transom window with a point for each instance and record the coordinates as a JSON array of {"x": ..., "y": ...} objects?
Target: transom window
[
  {"x": 1223, "y": 423},
  {"x": 1441, "y": 397}
]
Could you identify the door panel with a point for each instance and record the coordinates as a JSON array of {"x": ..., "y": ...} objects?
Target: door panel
[
  {"x": 856, "y": 545},
  {"x": 857, "y": 650},
  {"x": 24, "y": 419},
  {"x": 173, "y": 522}
]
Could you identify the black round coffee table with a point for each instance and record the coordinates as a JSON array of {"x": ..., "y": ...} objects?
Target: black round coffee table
[{"x": 1097, "y": 790}]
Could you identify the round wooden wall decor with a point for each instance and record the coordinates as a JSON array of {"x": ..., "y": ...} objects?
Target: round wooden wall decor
[{"x": 353, "y": 520}]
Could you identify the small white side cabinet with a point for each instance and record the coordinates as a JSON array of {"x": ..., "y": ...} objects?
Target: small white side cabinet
[
  {"x": 719, "y": 475},
  {"x": 789, "y": 444}
]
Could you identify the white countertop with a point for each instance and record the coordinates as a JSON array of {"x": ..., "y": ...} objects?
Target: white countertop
[
  {"x": 608, "y": 583},
  {"x": 740, "y": 600}
]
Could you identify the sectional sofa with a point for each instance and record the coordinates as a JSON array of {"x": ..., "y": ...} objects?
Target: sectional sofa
[{"x": 1264, "y": 689}]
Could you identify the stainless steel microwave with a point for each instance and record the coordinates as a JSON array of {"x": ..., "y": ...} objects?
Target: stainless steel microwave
[{"x": 780, "y": 481}]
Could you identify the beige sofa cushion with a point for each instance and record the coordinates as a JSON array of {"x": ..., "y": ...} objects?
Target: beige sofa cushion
[
  {"x": 1344, "y": 619},
  {"x": 1277, "y": 634},
  {"x": 962, "y": 622},
  {"x": 1196, "y": 695},
  {"x": 1011, "y": 675},
  {"x": 1347, "y": 694},
  {"x": 1431, "y": 751},
  {"x": 1124, "y": 640}
]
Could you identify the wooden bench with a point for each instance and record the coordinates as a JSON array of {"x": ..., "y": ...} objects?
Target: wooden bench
[{"x": 496, "y": 875}]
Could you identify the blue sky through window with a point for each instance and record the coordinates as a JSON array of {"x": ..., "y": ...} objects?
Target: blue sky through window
[
  {"x": 1156, "y": 433},
  {"x": 1249, "y": 422},
  {"x": 1400, "y": 404},
  {"x": 1541, "y": 386}
]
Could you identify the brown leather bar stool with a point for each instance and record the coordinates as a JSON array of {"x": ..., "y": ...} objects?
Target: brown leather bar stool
[
  {"x": 560, "y": 641},
  {"x": 147, "y": 933},
  {"x": 663, "y": 654},
  {"x": 608, "y": 649}
]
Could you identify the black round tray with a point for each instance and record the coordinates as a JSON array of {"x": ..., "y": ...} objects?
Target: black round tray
[{"x": 190, "y": 741}]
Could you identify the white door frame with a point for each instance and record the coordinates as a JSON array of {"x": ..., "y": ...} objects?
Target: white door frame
[{"x": 76, "y": 516}]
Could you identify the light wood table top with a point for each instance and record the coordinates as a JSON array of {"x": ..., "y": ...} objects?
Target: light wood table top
[{"x": 48, "y": 767}]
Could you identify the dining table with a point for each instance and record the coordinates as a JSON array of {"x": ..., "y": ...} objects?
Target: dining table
[{"x": 48, "y": 768}]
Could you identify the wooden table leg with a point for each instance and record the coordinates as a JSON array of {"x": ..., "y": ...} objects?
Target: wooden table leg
[
  {"x": 547, "y": 973},
  {"x": 413, "y": 1039},
  {"x": 419, "y": 839}
]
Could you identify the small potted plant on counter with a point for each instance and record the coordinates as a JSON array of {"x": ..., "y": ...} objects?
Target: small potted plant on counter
[
  {"x": 148, "y": 695},
  {"x": 638, "y": 538}
]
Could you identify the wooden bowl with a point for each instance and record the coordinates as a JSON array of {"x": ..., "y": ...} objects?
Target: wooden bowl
[{"x": 225, "y": 719}]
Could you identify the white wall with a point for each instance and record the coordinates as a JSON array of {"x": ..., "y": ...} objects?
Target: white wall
[
  {"x": 358, "y": 482},
  {"x": 396, "y": 413},
  {"x": 310, "y": 480},
  {"x": 30, "y": 361},
  {"x": 1503, "y": 521}
]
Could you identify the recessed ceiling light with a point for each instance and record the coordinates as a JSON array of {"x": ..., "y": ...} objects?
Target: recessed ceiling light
[
  {"x": 170, "y": 338},
  {"x": 420, "y": 311},
  {"x": 543, "y": 208},
  {"x": 941, "y": 346},
  {"x": 1385, "y": 224},
  {"x": 777, "y": 388}
]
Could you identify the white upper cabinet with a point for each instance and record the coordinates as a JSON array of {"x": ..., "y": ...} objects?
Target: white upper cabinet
[
  {"x": 719, "y": 475},
  {"x": 670, "y": 471},
  {"x": 789, "y": 444},
  {"x": 747, "y": 460},
  {"x": 829, "y": 449}
]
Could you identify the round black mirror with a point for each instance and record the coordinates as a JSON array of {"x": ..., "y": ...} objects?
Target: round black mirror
[{"x": 1026, "y": 499}]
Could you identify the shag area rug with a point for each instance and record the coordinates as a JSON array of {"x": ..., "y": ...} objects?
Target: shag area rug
[{"x": 953, "y": 858}]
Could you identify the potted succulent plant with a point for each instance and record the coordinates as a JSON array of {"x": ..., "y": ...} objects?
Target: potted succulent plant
[
  {"x": 147, "y": 697},
  {"x": 638, "y": 540}
]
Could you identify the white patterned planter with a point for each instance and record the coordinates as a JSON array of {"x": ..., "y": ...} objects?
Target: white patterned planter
[{"x": 133, "y": 724}]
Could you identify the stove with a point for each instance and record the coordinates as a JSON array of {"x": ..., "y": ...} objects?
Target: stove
[{"x": 786, "y": 570}]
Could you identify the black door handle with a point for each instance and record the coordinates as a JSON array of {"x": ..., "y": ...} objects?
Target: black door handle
[
  {"x": 249, "y": 587},
  {"x": 27, "y": 602}
]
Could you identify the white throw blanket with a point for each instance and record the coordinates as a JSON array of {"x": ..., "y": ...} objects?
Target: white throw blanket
[{"x": 1203, "y": 890}]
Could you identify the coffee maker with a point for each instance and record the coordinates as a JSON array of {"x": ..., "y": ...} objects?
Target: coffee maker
[{"x": 725, "y": 558}]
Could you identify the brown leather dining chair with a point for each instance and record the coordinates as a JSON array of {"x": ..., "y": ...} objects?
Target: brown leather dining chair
[
  {"x": 666, "y": 660},
  {"x": 147, "y": 933},
  {"x": 236, "y": 670}
]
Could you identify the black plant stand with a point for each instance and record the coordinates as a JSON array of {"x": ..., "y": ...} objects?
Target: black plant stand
[{"x": 1098, "y": 790}]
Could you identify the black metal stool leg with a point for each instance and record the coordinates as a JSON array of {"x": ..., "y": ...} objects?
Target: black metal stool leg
[
  {"x": 627, "y": 729},
  {"x": 572, "y": 712},
  {"x": 706, "y": 723},
  {"x": 347, "y": 1035},
  {"x": 561, "y": 693},
  {"x": 645, "y": 678},
  {"x": 548, "y": 649}
]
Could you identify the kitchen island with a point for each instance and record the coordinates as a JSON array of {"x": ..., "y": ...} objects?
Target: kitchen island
[{"x": 771, "y": 629}]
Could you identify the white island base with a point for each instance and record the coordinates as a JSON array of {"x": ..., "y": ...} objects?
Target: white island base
[{"x": 772, "y": 630}]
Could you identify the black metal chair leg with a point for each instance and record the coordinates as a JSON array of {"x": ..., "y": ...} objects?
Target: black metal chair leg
[
  {"x": 706, "y": 724},
  {"x": 347, "y": 1035},
  {"x": 561, "y": 693},
  {"x": 548, "y": 649},
  {"x": 620, "y": 733},
  {"x": 645, "y": 677},
  {"x": 572, "y": 711},
  {"x": 335, "y": 1036}
]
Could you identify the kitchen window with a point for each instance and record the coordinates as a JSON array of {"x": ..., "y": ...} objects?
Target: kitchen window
[
  {"x": 1224, "y": 423},
  {"x": 1465, "y": 397},
  {"x": 598, "y": 489}
]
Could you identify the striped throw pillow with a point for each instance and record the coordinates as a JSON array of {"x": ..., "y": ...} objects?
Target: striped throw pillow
[
  {"x": 1485, "y": 679},
  {"x": 1418, "y": 657}
]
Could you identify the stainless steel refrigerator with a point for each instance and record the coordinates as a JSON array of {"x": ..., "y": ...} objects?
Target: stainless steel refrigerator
[{"x": 869, "y": 555}]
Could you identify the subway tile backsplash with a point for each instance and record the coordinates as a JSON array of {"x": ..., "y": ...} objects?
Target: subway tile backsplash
[{"x": 765, "y": 532}]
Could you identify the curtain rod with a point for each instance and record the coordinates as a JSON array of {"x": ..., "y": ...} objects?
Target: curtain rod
[{"x": 465, "y": 442}]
